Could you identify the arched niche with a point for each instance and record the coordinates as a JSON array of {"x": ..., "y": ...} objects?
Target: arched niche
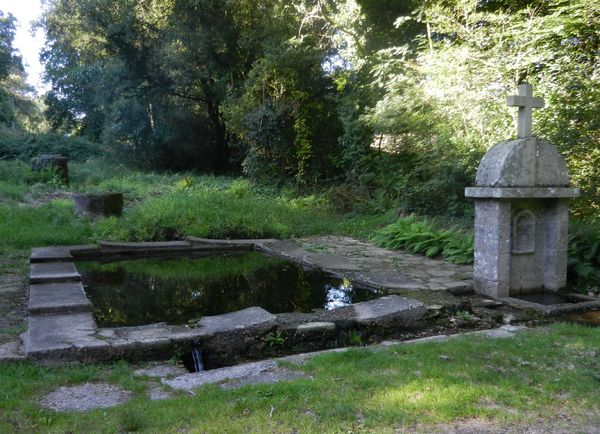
[{"x": 523, "y": 232}]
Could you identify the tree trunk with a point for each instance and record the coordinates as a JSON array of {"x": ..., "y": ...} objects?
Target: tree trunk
[{"x": 221, "y": 156}]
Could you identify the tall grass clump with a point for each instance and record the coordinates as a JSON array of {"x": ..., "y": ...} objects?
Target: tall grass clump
[
  {"x": 99, "y": 175},
  {"x": 13, "y": 171},
  {"x": 18, "y": 182},
  {"x": 12, "y": 191},
  {"x": 234, "y": 213},
  {"x": 53, "y": 223},
  {"x": 418, "y": 235}
]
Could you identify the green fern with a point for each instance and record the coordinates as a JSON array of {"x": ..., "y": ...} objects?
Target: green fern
[{"x": 420, "y": 236}]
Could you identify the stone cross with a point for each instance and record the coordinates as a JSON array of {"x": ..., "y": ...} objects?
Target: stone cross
[{"x": 526, "y": 103}]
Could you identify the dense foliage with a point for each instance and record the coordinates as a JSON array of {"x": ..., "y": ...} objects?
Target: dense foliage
[
  {"x": 420, "y": 236},
  {"x": 17, "y": 109},
  {"x": 395, "y": 102}
]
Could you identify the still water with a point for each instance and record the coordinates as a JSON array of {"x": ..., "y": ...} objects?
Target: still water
[{"x": 181, "y": 290}]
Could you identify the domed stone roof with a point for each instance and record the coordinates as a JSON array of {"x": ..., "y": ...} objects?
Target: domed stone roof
[{"x": 526, "y": 162}]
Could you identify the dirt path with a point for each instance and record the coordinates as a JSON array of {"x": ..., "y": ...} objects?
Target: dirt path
[{"x": 13, "y": 297}]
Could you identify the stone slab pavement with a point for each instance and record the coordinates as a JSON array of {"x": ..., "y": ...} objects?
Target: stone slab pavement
[{"x": 373, "y": 266}]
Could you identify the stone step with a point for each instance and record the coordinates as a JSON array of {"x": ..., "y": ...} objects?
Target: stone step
[
  {"x": 266, "y": 372},
  {"x": 50, "y": 254},
  {"x": 49, "y": 272},
  {"x": 63, "y": 297}
]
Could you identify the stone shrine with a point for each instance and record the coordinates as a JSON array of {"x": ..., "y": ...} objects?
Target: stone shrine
[{"x": 521, "y": 212}]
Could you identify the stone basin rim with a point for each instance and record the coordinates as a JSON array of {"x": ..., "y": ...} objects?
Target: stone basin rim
[{"x": 63, "y": 335}]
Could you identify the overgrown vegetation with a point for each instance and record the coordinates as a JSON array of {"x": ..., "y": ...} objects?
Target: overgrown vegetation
[
  {"x": 48, "y": 224},
  {"x": 584, "y": 255},
  {"x": 171, "y": 206},
  {"x": 393, "y": 102},
  {"x": 162, "y": 207}
]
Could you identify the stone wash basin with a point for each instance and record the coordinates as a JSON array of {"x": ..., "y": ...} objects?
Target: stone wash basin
[{"x": 62, "y": 326}]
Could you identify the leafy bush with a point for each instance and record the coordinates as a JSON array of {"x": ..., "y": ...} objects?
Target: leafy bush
[
  {"x": 420, "y": 236},
  {"x": 285, "y": 121},
  {"x": 27, "y": 146},
  {"x": 241, "y": 188},
  {"x": 17, "y": 179},
  {"x": 584, "y": 255}
]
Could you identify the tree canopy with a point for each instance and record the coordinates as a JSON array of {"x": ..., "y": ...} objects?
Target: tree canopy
[{"x": 397, "y": 99}]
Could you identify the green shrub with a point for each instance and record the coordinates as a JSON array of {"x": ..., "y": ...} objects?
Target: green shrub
[
  {"x": 584, "y": 255},
  {"x": 28, "y": 146},
  {"x": 420, "y": 236},
  {"x": 241, "y": 188}
]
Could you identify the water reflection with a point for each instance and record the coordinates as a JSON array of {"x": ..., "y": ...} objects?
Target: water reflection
[
  {"x": 339, "y": 296},
  {"x": 179, "y": 290}
]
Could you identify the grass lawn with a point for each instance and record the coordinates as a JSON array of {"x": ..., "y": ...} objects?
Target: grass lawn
[{"x": 539, "y": 375}]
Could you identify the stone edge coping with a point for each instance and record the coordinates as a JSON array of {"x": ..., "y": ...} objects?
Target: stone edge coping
[
  {"x": 246, "y": 242},
  {"x": 98, "y": 195},
  {"x": 178, "y": 334},
  {"x": 76, "y": 341},
  {"x": 521, "y": 192},
  {"x": 91, "y": 341},
  {"x": 586, "y": 303},
  {"x": 89, "y": 251}
]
